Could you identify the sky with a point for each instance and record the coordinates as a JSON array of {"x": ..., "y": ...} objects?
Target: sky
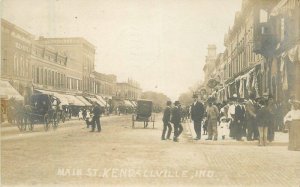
[{"x": 162, "y": 44}]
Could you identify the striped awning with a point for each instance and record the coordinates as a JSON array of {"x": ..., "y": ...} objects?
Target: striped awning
[
  {"x": 82, "y": 99},
  {"x": 7, "y": 91}
]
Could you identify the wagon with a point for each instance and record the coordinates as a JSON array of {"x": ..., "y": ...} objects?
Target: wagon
[
  {"x": 143, "y": 113},
  {"x": 43, "y": 109}
]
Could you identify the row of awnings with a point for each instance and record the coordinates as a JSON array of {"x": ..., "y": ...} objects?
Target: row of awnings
[
  {"x": 76, "y": 100},
  {"x": 7, "y": 91},
  {"x": 130, "y": 103}
]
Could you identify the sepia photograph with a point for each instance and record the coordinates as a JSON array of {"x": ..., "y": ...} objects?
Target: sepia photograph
[{"x": 150, "y": 93}]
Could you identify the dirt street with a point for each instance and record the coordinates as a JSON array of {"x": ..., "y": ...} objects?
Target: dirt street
[{"x": 122, "y": 156}]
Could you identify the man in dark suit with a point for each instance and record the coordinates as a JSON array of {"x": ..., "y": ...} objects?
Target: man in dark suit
[
  {"x": 197, "y": 113},
  {"x": 176, "y": 120},
  {"x": 239, "y": 118},
  {"x": 166, "y": 120},
  {"x": 96, "y": 118},
  {"x": 252, "y": 130}
]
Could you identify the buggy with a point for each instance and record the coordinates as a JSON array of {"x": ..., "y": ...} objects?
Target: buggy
[
  {"x": 43, "y": 109},
  {"x": 143, "y": 113}
]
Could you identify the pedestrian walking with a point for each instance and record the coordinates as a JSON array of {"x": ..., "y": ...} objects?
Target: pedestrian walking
[
  {"x": 166, "y": 121},
  {"x": 96, "y": 117},
  {"x": 175, "y": 119},
  {"x": 212, "y": 117},
  {"x": 197, "y": 113},
  {"x": 263, "y": 122}
]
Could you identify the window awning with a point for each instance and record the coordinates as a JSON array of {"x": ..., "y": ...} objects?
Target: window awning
[
  {"x": 84, "y": 100},
  {"x": 7, "y": 91},
  {"x": 102, "y": 100},
  {"x": 128, "y": 103},
  {"x": 133, "y": 103},
  {"x": 72, "y": 100},
  {"x": 61, "y": 97},
  {"x": 97, "y": 101}
]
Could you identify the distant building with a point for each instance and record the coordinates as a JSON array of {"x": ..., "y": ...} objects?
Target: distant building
[
  {"x": 48, "y": 68},
  {"x": 129, "y": 90},
  {"x": 65, "y": 65},
  {"x": 105, "y": 85},
  {"x": 81, "y": 64}
]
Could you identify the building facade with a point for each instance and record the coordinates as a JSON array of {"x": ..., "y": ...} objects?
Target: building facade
[
  {"x": 262, "y": 52},
  {"x": 16, "y": 57},
  {"x": 105, "y": 85},
  {"x": 64, "y": 65},
  {"x": 129, "y": 90},
  {"x": 81, "y": 65}
]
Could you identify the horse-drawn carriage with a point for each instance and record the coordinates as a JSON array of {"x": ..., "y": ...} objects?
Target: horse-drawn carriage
[
  {"x": 143, "y": 113},
  {"x": 43, "y": 109}
]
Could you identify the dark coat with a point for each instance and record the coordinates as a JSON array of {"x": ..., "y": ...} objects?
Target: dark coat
[
  {"x": 167, "y": 115},
  {"x": 97, "y": 111},
  {"x": 176, "y": 116},
  {"x": 239, "y": 113},
  {"x": 263, "y": 117},
  {"x": 197, "y": 112}
]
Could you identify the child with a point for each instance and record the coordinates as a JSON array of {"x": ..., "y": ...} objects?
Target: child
[
  {"x": 224, "y": 126},
  {"x": 80, "y": 116},
  {"x": 88, "y": 119}
]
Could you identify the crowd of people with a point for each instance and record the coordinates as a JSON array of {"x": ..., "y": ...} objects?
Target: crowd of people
[{"x": 239, "y": 119}]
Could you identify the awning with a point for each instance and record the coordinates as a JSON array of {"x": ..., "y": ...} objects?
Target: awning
[
  {"x": 61, "y": 97},
  {"x": 72, "y": 100},
  {"x": 128, "y": 103},
  {"x": 83, "y": 100},
  {"x": 278, "y": 8},
  {"x": 133, "y": 103},
  {"x": 7, "y": 91},
  {"x": 97, "y": 101},
  {"x": 101, "y": 99}
]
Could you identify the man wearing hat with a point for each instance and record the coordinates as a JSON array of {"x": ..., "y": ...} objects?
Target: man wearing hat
[
  {"x": 166, "y": 121},
  {"x": 176, "y": 120},
  {"x": 252, "y": 129},
  {"x": 197, "y": 113},
  {"x": 96, "y": 118}
]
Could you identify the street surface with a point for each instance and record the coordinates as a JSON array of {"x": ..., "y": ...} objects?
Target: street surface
[{"x": 122, "y": 156}]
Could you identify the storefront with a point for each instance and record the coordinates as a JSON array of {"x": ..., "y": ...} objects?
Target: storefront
[{"x": 7, "y": 92}]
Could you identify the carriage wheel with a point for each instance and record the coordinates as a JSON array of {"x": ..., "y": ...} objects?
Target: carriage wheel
[{"x": 46, "y": 122}]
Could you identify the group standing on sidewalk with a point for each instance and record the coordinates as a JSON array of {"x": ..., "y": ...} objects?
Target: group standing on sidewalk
[{"x": 252, "y": 119}]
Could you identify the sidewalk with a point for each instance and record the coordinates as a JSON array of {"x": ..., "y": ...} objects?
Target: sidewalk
[
  {"x": 281, "y": 139},
  {"x": 5, "y": 124}
]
